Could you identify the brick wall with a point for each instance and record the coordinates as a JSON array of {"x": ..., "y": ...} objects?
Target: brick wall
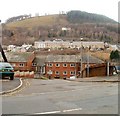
[
  {"x": 98, "y": 70},
  {"x": 94, "y": 70},
  {"x": 62, "y": 69}
]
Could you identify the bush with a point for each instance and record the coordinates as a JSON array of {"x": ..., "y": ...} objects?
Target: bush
[{"x": 114, "y": 55}]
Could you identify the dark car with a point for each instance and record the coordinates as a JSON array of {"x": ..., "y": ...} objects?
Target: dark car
[
  {"x": 6, "y": 70},
  {"x": 118, "y": 69}
]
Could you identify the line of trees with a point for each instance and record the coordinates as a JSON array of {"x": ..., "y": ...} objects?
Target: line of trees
[
  {"x": 82, "y": 17},
  {"x": 18, "y": 18}
]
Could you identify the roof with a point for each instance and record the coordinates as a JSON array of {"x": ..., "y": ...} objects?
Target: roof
[
  {"x": 62, "y": 58},
  {"x": 40, "y": 60},
  {"x": 73, "y": 58},
  {"x": 91, "y": 59},
  {"x": 17, "y": 56}
]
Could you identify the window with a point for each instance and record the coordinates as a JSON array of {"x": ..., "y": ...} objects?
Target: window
[
  {"x": 72, "y": 65},
  {"x": 64, "y": 65},
  {"x": 43, "y": 70},
  {"x": 57, "y": 73},
  {"x": 13, "y": 65},
  {"x": 72, "y": 73},
  {"x": 65, "y": 73},
  {"x": 49, "y": 72},
  {"x": 57, "y": 65},
  {"x": 21, "y": 65},
  {"x": 34, "y": 64},
  {"x": 49, "y": 65}
]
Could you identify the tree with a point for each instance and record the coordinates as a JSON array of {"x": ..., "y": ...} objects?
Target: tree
[{"x": 114, "y": 55}]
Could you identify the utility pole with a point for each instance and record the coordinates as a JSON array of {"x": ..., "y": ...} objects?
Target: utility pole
[
  {"x": 108, "y": 68},
  {"x": 81, "y": 59},
  {"x": 1, "y": 49},
  {"x": 88, "y": 64},
  {"x": 0, "y": 33}
]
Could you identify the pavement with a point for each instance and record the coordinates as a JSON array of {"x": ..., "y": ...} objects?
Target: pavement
[
  {"x": 99, "y": 79},
  {"x": 10, "y": 86}
]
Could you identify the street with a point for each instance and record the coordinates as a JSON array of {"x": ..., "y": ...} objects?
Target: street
[
  {"x": 8, "y": 84},
  {"x": 62, "y": 97}
]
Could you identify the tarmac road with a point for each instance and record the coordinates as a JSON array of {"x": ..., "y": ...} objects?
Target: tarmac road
[
  {"x": 62, "y": 97},
  {"x": 7, "y": 84}
]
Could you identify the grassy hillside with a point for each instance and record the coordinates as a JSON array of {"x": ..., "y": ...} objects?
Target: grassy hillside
[
  {"x": 71, "y": 17},
  {"x": 39, "y": 21},
  {"x": 80, "y": 24}
]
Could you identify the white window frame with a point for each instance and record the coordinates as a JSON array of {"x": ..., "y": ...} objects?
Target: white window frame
[
  {"x": 65, "y": 73},
  {"x": 21, "y": 65},
  {"x": 34, "y": 64},
  {"x": 71, "y": 65},
  {"x": 72, "y": 72},
  {"x": 64, "y": 65},
  {"x": 57, "y": 72},
  {"x": 49, "y": 64},
  {"x": 57, "y": 65}
]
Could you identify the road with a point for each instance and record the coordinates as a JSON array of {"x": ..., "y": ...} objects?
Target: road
[
  {"x": 7, "y": 84},
  {"x": 62, "y": 97}
]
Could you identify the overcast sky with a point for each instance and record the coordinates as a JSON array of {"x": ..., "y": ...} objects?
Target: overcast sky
[{"x": 10, "y": 8}]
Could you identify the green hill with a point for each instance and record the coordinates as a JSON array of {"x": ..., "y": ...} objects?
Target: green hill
[
  {"x": 19, "y": 30},
  {"x": 39, "y": 21},
  {"x": 84, "y": 17},
  {"x": 70, "y": 17}
]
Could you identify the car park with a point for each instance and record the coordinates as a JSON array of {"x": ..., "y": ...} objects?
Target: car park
[{"x": 6, "y": 70}]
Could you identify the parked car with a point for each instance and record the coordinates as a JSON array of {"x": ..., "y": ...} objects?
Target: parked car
[
  {"x": 118, "y": 69},
  {"x": 6, "y": 70}
]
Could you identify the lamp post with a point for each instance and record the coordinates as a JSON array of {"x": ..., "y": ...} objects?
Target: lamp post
[
  {"x": 108, "y": 68},
  {"x": 88, "y": 64},
  {"x": 81, "y": 59},
  {"x": 0, "y": 33}
]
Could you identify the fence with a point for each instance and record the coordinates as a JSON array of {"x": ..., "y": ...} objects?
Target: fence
[{"x": 24, "y": 74}]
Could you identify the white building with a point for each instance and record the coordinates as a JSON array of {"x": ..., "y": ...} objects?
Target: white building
[
  {"x": 11, "y": 47},
  {"x": 113, "y": 47},
  {"x": 59, "y": 43},
  {"x": 22, "y": 48}
]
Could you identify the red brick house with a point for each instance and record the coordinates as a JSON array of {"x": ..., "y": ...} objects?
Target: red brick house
[
  {"x": 62, "y": 66},
  {"x": 22, "y": 61},
  {"x": 65, "y": 66}
]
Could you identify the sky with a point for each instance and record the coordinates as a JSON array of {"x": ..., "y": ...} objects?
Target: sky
[{"x": 11, "y": 8}]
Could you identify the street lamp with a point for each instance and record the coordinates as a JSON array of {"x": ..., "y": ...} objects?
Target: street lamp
[
  {"x": 0, "y": 33},
  {"x": 81, "y": 58}
]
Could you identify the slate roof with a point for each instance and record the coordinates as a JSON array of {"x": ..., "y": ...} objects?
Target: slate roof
[
  {"x": 40, "y": 60},
  {"x": 73, "y": 58},
  {"x": 17, "y": 56},
  {"x": 62, "y": 58},
  {"x": 91, "y": 59}
]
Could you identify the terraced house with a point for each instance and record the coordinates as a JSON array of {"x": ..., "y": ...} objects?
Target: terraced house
[
  {"x": 62, "y": 66},
  {"x": 65, "y": 66},
  {"x": 21, "y": 61}
]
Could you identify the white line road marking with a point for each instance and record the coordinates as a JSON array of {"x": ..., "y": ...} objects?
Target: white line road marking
[
  {"x": 52, "y": 112},
  {"x": 70, "y": 110}
]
